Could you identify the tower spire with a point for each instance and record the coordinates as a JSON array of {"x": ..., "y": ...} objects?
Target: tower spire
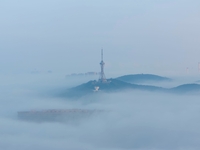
[
  {"x": 101, "y": 54},
  {"x": 102, "y": 77}
]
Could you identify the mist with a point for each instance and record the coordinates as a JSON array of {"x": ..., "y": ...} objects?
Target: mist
[
  {"x": 41, "y": 42},
  {"x": 131, "y": 119}
]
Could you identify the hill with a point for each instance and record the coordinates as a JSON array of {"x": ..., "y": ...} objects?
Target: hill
[
  {"x": 141, "y": 78},
  {"x": 116, "y": 85},
  {"x": 186, "y": 88},
  {"x": 113, "y": 85}
]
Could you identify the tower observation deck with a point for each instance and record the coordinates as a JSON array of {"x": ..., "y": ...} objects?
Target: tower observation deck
[{"x": 102, "y": 77}]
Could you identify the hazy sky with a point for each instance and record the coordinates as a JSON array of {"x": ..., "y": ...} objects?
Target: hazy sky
[{"x": 66, "y": 36}]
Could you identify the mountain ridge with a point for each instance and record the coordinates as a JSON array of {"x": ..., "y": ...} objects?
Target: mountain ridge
[
  {"x": 140, "y": 78},
  {"x": 116, "y": 85}
]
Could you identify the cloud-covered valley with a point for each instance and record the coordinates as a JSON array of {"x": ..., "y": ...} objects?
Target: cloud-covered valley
[{"x": 132, "y": 119}]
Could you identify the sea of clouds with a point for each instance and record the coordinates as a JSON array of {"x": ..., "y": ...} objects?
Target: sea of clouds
[{"x": 131, "y": 120}]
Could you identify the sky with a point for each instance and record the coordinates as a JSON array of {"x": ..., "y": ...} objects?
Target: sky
[{"x": 64, "y": 36}]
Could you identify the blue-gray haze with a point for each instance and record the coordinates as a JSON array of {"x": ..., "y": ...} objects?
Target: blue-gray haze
[
  {"x": 42, "y": 41},
  {"x": 132, "y": 119}
]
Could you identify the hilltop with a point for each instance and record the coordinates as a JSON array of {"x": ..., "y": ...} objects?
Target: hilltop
[
  {"x": 141, "y": 78},
  {"x": 113, "y": 85},
  {"x": 116, "y": 85},
  {"x": 186, "y": 88}
]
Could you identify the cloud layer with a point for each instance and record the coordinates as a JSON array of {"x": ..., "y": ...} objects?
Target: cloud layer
[{"x": 132, "y": 120}]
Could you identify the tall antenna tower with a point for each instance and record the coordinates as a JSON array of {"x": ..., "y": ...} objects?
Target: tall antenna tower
[{"x": 102, "y": 77}]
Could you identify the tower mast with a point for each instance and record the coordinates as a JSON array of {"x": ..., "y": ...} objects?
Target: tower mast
[{"x": 102, "y": 78}]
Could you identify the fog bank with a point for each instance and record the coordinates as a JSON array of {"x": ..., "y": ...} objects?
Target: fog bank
[{"x": 132, "y": 120}]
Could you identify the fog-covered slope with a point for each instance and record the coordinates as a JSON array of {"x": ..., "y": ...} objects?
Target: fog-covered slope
[
  {"x": 115, "y": 85},
  {"x": 141, "y": 78},
  {"x": 186, "y": 88}
]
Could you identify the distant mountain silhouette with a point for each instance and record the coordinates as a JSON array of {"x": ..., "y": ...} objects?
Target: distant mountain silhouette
[
  {"x": 141, "y": 78},
  {"x": 113, "y": 85},
  {"x": 116, "y": 85},
  {"x": 186, "y": 88}
]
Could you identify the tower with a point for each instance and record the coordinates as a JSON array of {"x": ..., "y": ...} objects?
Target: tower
[{"x": 102, "y": 77}]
